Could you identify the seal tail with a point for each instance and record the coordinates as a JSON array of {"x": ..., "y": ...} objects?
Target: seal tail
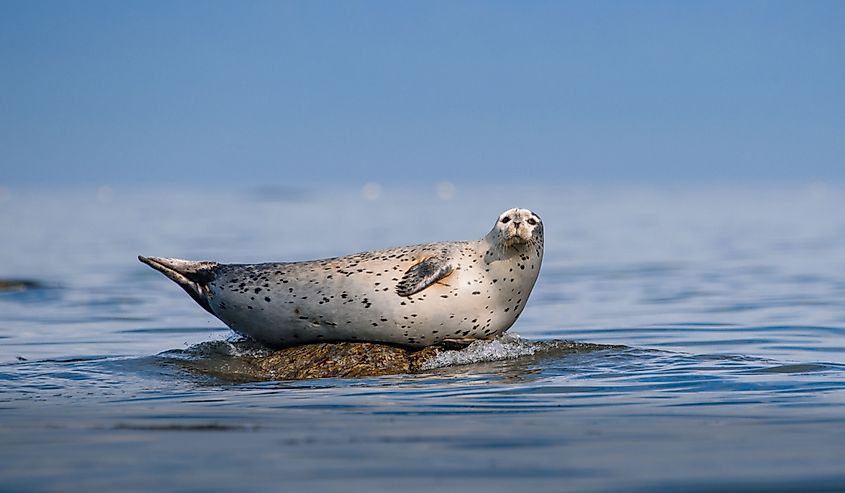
[{"x": 192, "y": 276}]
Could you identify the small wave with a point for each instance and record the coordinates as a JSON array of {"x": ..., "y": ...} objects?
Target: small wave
[
  {"x": 800, "y": 368},
  {"x": 506, "y": 347},
  {"x": 220, "y": 348},
  {"x": 213, "y": 426}
]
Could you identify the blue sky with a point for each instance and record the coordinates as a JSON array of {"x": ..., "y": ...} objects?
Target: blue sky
[{"x": 303, "y": 92}]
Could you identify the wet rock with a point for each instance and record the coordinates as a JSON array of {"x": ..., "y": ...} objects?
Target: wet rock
[
  {"x": 18, "y": 284},
  {"x": 354, "y": 359},
  {"x": 343, "y": 360}
]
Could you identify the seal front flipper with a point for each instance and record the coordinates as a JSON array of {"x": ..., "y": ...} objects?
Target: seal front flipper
[
  {"x": 192, "y": 276},
  {"x": 423, "y": 275}
]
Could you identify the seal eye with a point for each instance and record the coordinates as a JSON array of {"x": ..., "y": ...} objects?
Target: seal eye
[
  {"x": 531, "y": 221},
  {"x": 506, "y": 220}
]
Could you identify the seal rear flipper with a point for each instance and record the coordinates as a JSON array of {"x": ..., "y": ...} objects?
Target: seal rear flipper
[{"x": 192, "y": 276}]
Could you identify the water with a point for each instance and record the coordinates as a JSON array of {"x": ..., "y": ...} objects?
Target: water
[{"x": 724, "y": 309}]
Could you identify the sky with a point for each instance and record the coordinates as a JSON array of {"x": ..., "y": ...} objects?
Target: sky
[{"x": 289, "y": 92}]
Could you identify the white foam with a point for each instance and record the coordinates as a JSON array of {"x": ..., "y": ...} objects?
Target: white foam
[{"x": 508, "y": 346}]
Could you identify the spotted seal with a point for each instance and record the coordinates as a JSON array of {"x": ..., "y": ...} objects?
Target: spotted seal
[{"x": 411, "y": 296}]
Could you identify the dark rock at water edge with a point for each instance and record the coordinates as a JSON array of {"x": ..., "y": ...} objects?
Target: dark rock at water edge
[
  {"x": 326, "y": 360},
  {"x": 344, "y": 360},
  {"x": 18, "y": 284}
]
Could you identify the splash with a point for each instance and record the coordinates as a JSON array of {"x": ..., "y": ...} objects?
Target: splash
[
  {"x": 239, "y": 348},
  {"x": 506, "y": 347}
]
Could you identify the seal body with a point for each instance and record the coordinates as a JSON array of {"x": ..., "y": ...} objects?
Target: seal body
[{"x": 410, "y": 296}]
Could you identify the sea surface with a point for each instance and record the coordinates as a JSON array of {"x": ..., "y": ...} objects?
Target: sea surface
[{"x": 723, "y": 309}]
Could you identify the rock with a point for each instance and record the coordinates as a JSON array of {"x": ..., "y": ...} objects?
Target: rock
[
  {"x": 18, "y": 284},
  {"x": 247, "y": 362},
  {"x": 343, "y": 360}
]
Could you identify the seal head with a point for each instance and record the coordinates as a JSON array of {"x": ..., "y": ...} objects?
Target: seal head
[{"x": 517, "y": 228}]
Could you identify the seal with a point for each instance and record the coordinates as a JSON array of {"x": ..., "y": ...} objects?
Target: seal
[{"x": 411, "y": 296}]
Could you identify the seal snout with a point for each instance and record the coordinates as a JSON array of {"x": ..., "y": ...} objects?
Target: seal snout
[{"x": 518, "y": 227}]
